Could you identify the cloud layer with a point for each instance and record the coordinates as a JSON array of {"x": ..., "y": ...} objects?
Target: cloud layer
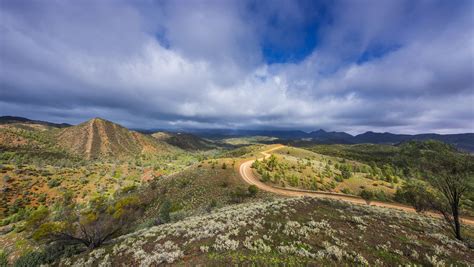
[{"x": 399, "y": 66}]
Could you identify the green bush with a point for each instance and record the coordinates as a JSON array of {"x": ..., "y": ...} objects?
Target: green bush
[
  {"x": 238, "y": 195},
  {"x": 165, "y": 210},
  {"x": 53, "y": 183},
  {"x": 30, "y": 259},
  {"x": 367, "y": 195},
  {"x": 47, "y": 256},
  {"x": 37, "y": 217},
  {"x": 3, "y": 259},
  {"x": 346, "y": 174},
  {"x": 265, "y": 177},
  {"x": 42, "y": 198},
  {"x": 253, "y": 190},
  {"x": 347, "y": 191},
  {"x": 415, "y": 193}
]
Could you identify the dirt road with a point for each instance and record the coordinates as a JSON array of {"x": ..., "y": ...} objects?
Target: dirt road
[{"x": 248, "y": 176}]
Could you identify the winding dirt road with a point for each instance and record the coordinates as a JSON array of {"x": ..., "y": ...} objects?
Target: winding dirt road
[{"x": 248, "y": 176}]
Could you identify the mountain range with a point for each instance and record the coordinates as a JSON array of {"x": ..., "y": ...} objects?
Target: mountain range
[
  {"x": 101, "y": 137},
  {"x": 463, "y": 141}
]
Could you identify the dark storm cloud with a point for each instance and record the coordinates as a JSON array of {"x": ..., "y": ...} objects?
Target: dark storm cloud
[{"x": 398, "y": 66}]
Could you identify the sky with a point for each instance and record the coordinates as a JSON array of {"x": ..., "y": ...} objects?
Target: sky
[{"x": 352, "y": 65}]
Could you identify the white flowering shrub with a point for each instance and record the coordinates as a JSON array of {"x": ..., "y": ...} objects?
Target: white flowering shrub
[
  {"x": 281, "y": 230},
  {"x": 435, "y": 261},
  {"x": 223, "y": 242}
]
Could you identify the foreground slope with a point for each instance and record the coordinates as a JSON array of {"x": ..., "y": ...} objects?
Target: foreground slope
[
  {"x": 292, "y": 231},
  {"x": 99, "y": 138}
]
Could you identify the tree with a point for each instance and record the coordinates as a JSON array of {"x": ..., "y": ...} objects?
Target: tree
[
  {"x": 452, "y": 187},
  {"x": 452, "y": 176},
  {"x": 100, "y": 221},
  {"x": 272, "y": 162},
  {"x": 416, "y": 194},
  {"x": 265, "y": 177},
  {"x": 256, "y": 164},
  {"x": 224, "y": 166}
]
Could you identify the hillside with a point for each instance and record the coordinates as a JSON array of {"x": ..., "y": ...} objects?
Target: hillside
[
  {"x": 205, "y": 226},
  {"x": 184, "y": 141},
  {"x": 298, "y": 168},
  {"x": 99, "y": 138},
  {"x": 27, "y": 122},
  {"x": 32, "y": 143},
  {"x": 293, "y": 231}
]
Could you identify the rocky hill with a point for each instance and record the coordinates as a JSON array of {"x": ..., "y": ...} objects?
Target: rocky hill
[{"x": 99, "y": 138}]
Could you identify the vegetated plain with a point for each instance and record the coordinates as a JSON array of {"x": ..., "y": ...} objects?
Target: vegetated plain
[{"x": 100, "y": 194}]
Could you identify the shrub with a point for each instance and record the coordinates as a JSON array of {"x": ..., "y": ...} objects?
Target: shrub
[
  {"x": 346, "y": 191},
  {"x": 42, "y": 198},
  {"x": 7, "y": 179},
  {"x": 395, "y": 179},
  {"x": 346, "y": 174},
  {"x": 101, "y": 220},
  {"x": 367, "y": 195},
  {"x": 224, "y": 166},
  {"x": 380, "y": 195},
  {"x": 212, "y": 205},
  {"x": 128, "y": 189},
  {"x": 37, "y": 217},
  {"x": 178, "y": 215},
  {"x": 238, "y": 195},
  {"x": 265, "y": 177},
  {"x": 3, "y": 259},
  {"x": 30, "y": 259},
  {"x": 415, "y": 194},
  {"x": 53, "y": 183},
  {"x": 165, "y": 210},
  {"x": 47, "y": 256},
  {"x": 253, "y": 190}
]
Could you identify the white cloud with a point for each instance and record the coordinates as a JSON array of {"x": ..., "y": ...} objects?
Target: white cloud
[{"x": 201, "y": 65}]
